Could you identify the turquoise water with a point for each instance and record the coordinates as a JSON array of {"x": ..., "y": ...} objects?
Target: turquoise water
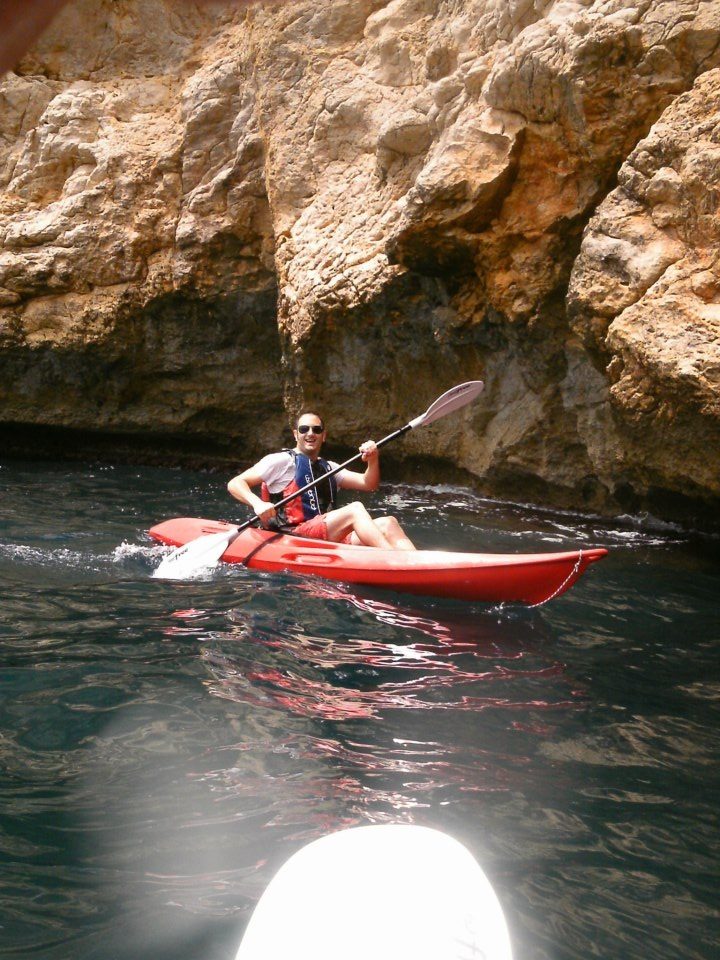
[{"x": 166, "y": 746}]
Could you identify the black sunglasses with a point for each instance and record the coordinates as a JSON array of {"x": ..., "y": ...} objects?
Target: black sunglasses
[{"x": 316, "y": 428}]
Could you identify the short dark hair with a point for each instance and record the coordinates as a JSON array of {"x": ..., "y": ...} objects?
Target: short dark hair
[{"x": 308, "y": 413}]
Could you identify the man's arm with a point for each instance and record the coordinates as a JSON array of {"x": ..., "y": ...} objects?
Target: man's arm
[
  {"x": 239, "y": 487},
  {"x": 368, "y": 481}
]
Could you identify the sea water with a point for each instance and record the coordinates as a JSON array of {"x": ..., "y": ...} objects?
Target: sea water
[{"x": 165, "y": 746}]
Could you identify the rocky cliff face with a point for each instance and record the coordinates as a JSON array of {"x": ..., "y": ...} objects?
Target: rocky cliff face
[
  {"x": 137, "y": 281},
  {"x": 358, "y": 204}
]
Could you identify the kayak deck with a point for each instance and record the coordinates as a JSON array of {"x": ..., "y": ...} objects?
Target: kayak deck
[{"x": 487, "y": 577}]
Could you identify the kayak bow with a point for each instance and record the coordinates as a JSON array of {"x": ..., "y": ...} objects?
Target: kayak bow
[{"x": 487, "y": 577}]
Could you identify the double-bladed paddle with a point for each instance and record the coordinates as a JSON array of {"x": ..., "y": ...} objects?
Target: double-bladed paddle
[{"x": 207, "y": 550}]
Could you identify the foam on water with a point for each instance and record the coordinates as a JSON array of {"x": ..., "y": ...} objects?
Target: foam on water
[{"x": 545, "y": 525}]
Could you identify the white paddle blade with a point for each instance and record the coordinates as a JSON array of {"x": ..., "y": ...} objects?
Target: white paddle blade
[
  {"x": 187, "y": 561},
  {"x": 451, "y": 400}
]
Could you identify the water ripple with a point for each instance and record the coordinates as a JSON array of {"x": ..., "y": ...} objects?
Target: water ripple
[{"x": 165, "y": 746}]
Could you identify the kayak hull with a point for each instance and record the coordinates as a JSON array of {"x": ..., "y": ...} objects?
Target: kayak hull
[{"x": 485, "y": 577}]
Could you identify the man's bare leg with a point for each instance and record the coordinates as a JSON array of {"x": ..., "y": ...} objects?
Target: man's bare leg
[
  {"x": 394, "y": 533},
  {"x": 355, "y": 519}
]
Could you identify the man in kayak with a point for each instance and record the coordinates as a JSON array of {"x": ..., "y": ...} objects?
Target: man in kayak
[{"x": 313, "y": 514}]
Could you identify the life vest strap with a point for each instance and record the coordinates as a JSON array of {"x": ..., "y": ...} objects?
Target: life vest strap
[{"x": 310, "y": 504}]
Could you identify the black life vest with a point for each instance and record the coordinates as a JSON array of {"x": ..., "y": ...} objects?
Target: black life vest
[{"x": 310, "y": 504}]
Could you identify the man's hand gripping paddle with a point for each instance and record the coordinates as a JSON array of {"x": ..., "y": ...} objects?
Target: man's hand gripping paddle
[{"x": 206, "y": 551}]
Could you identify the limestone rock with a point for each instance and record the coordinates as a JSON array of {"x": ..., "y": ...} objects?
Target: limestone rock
[
  {"x": 136, "y": 270},
  {"x": 645, "y": 296},
  {"x": 359, "y": 203}
]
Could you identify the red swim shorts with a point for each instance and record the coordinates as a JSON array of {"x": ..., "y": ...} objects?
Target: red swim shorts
[{"x": 317, "y": 529}]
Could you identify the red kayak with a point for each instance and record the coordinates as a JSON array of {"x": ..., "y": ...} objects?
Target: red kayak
[{"x": 490, "y": 577}]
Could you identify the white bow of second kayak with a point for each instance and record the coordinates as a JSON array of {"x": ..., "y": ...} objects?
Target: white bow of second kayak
[{"x": 386, "y": 892}]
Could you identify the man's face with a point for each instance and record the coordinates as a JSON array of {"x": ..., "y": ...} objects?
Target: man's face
[{"x": 309, "y": 435}]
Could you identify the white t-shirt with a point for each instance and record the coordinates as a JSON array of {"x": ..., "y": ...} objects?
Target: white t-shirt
[{"x": 278, "y": 469}]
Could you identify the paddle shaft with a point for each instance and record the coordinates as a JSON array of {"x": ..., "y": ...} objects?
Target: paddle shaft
[{"x": 325, "y": 476}]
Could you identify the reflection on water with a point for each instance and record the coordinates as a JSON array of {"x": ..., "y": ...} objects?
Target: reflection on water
[
  {"x": 166, "y": 746},
  {"x": 462, "y": 662}
]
